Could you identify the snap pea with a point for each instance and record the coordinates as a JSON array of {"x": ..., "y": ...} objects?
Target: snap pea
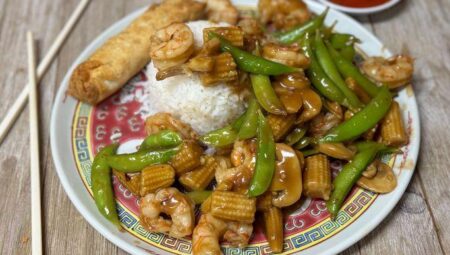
[
  {"x": 318, "y": 77},
  {"x": 348, "y": 52},
  {"x": 265, "y": 158},
  {"x": 161, "y": 140},
  {"x": 347, "y": 69},
  {"x": 305, "y": 141},
  {"x": 331, "y": 70},
  {"x": 296, "y": 135},
  {"x": 294, "y": 34},
  {"x": 348, "y": 176},
  {"x": 199, "y": 196},
  {"x": 102, "y": 188},
  {"x": 224, "y": 136},
  {"x": 265, "y": 94},
  {"x": 250, "y": 124},
  {"x": 310, "y": 152},
  {"x": 362, "y": 121},
  {"x": 340, "y": 41},
  {"x": 134, "y": 162},
  {"x": 250, "y": 63}
]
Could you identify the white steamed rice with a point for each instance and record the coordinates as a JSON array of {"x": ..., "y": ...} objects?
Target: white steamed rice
[{"x": 204, "y": 108}]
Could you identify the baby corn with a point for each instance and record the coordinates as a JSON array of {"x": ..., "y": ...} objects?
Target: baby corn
[
  {"x": 317, "y": 177},
  {"x": 281, "y": 125},
  {"x": 235, "y": 35},
  {"x": 188, "y": 158},
  {"x": 233, "y": 206},
  {"x": 131, "y": 182},
  {"x": 273, "y": 221},
  {"x": 200, "y": 178},
  {"x": 156, "y": 177},
  {"x": 264, "y": 202},
  {"x": 392, "y": 128},
  {"x": 224, "y": 70}
]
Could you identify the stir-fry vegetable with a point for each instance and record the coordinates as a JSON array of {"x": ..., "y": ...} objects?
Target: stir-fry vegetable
[
  {"x": 266, "y": 95},
  {"x": 340, "y": 41},
  {"x": 349, "y": 174},
  {"x": 363, "y": 120},
  {"x": 318, "y": 77},
  {"x": 347, "y": 69},
  {"x": 224, "y": 136},
  {"x": 134, "y": 162},
  {"x": 265, "y": 159},
  {"x": 250, "y": 124},
  {"x": 102, "y": 188},
  {"x": 160, "y": 140},
  {"x": 199, "y": 196},
  {"x": 296, "y": 33},
  {"x": 330, "y": 69},
  {"x": 295, "y": 136},
  {"x": 250, "y": 63}
]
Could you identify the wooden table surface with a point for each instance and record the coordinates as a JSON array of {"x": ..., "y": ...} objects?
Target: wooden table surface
[{"x": 417, "y": 225}]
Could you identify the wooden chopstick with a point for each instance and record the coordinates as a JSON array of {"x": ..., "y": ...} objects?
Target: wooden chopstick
[
  {"x": 20, "y": 102},
  {"x": 36, "y": 225}
]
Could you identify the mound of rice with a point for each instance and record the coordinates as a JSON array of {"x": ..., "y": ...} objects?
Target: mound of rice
[{"x": 204, "y": 108}]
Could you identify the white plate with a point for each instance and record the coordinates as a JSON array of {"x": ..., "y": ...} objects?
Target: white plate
[
  {"x": 66, "y": 166},
  {"x": 361, "y": 11}
]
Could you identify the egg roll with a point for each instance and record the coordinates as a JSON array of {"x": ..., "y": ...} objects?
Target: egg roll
[{"x": 124, "y": 55}]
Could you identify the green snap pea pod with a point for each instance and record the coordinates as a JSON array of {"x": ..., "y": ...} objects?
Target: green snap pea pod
[
  {"x": 307, "y": 153},
  {"x": 348, "y": 176},
  {"x": 305, "y": 141},
  {"x": 347, "y": 69},
  {"x": 265, "y": 158},
  {"x": 348, "y": 52},
  {"x": 294, "y": 34},
  {"x": 362, "y": 121},
  {"x": 296, "y": 135},
  {"x": 250, "y": 124},
  {"x": 318, "y": 77},
  {"x": 340, "y": 41},
  {"x": 160, "y": 140},
  {"x": 265, "y": 94},
  {"x": 250, "y": 63},
  {"x": 102, "y": 188},
  {"x": 224, "y": 136},
  {"x": 134, "y": 162},
  {"x": 331, "y": 70},
  {"x": 199, "y": 196}
]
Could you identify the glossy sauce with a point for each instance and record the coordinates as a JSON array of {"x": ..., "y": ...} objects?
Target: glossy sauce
[{"x": 360, "y": 3}]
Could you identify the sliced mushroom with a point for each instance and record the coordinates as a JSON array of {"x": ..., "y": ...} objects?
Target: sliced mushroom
[
  {"x": 384, "y": 181},
  {"x": 371, "y": 170},
  {"x": 336, "y": 150},
  {"x": 287, "y": 181}
]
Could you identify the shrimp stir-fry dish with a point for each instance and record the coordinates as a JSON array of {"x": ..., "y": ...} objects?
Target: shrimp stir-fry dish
[{"x": 279, "y": 96}]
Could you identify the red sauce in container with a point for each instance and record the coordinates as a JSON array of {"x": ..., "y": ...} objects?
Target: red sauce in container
[{"x": 359, "y": 3}]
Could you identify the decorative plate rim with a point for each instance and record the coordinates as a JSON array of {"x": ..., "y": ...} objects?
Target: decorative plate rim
[{"x": 88, "y": 210}]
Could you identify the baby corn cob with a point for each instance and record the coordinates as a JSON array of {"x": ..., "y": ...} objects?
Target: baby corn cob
[
  {"x": 392, "y": 128},
  {"x": 156, "y": 177},
  {"x": 206, "y": 206},
  {"x": 235, "y": 35},
  {"x": 280, "y": 125},
  {"x": 200, "y": 178},
  {"x": 201, "y": 64},
  {"x": 187, "y": 158},
  {"x": 317, "y": 177},
  {"x": 131, "y": 182},
  {"x": 273, "y": 221},
  {"x": 224, "y": 70},
  {"x": 233, "y": 206},
  {"x": 264, "y": 202}
]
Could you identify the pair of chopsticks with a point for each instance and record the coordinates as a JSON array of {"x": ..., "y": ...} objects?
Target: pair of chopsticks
[{"x": 30, "y": 93}]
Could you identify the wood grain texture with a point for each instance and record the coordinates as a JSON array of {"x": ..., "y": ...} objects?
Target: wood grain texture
[{"x": 417, "y": 225}]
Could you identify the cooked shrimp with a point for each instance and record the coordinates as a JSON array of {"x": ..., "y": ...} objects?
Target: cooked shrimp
[
  {"x": 222, "y": 11},
  {"x": 171, "y": 202},
  {"x": 322, "y": 123},
  {"x": 171, "y": 46},
  {"x": 393, "y": 72},
  {"x": 283, "y": 14},
  {"x": 162, "y": 121},
  {"x": 205, "y": 239},
  {"x": 238, "y": 234},
  {"x": 288, "y": 55},
  {"x": 244, "y": 153},
  {"x": 251, "y": 27}
]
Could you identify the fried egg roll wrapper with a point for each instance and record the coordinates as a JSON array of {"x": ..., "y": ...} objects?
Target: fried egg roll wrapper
[{"x": 125, "y": 54}]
